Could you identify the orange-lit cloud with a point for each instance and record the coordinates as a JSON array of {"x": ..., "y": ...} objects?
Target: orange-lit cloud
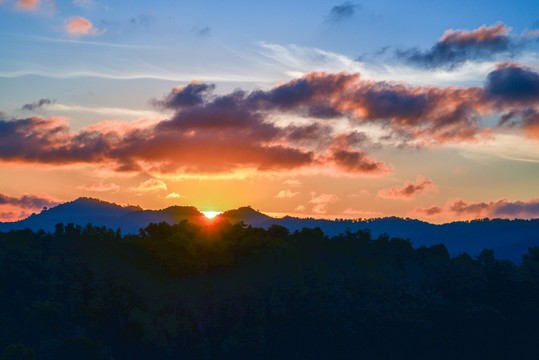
[
  {"x": 173, "y": 196},
  {"x": 80, "y": 26},
  {"x": 209, "y": 134},
  {"x": 409, "y": 190},
  {"x": 28, "y": 5}
]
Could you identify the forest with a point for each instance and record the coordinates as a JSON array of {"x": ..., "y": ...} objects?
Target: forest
[{"x": 232, "y": 291}]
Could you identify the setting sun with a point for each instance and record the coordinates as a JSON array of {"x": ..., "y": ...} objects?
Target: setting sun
[{"x": 211, "y": 214}]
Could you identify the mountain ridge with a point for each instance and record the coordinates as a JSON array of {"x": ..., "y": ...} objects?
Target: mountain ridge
[{"x": 508, "y": 238}]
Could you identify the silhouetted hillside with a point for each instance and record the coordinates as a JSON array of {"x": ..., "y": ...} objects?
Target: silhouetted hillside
[
  {"x": 248, "y": 215},
  {"x": 102, "y": 213},
  {"x": 508, "y": 238}
]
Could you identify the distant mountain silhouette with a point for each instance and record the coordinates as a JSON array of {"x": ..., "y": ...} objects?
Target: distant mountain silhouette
[
  {"x": 508, "y": 238},
  {"x": 248, "y": 215},
  {"x": 102, "y": 213}
]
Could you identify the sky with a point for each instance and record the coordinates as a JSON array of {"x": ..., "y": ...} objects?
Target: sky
[{"x": 420, "y": 109}]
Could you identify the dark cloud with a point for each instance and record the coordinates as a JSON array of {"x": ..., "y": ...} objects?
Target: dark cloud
[
  {"x": 38, "y": 104},
  {"x": 342, "y": 12},
  {"x": 511, "y": 83},
  {"x": 457, "y": 46},
  {"x": 515, "y": 89},
  {"x": 409, "y": 190},
  {"x": 27, "y": 201},
  {"x": 359, "y": 162},
  {"x": 205, "y": 31},
  {"x": 186, "y": 96},
  {"x": 309, "y": 135}
]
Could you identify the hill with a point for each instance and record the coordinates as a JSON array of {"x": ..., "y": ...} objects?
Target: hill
[{"x": 508, "y": 238}]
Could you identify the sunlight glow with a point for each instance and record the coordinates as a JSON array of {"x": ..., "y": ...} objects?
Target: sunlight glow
[{"x": 211, "y": 214}]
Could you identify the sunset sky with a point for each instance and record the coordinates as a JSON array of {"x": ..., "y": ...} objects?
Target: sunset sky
[{"x": 422, "y": 109}]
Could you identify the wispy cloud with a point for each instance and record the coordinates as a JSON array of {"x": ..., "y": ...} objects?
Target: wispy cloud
[
  {"x": 287, "y": 194},
  {"x": 150, "y": 185},
  {"x": 101, "y": 187}
]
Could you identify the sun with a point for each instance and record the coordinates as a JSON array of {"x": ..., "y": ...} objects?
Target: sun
[{"x": 211, "y": 214}]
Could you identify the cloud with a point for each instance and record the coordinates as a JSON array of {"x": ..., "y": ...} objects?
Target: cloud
[
  {"x": 515, "y": 89},
  {"x": 173, "y": 196},
  {"x": 28, "y": 5},
  {"x": 430, "y": 211},
  {"x": 512, "y": 84},
  {"x": 322, "y": 201},
  {"x": 79, "y": 26},
  {"x": 185, "y": 96},
  {"x": 8, "y": 216},
  {"x": 502, "y": 208},
  {"x": 101, "y": 187},
  {"x": 38, "y": 104},
  {"x": 27, "y": 201},
  {"x": 458, "y": 46},
  {"x": 283, "y": 129},
  {"x": 409, "y": 190},
  {"x": 530, "y": 123},
  {"x": 342, "y": 12},
  {"x": 429, "y": 113},
  {"x": 150, "y": 185},
  {"x": 286, "y": 194}
]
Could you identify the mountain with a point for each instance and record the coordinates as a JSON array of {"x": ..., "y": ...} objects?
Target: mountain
[
  {"x": 248, "y": 215},
  {"x": 508, "y": 238},
  {"x": 101, "y": 213}
]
